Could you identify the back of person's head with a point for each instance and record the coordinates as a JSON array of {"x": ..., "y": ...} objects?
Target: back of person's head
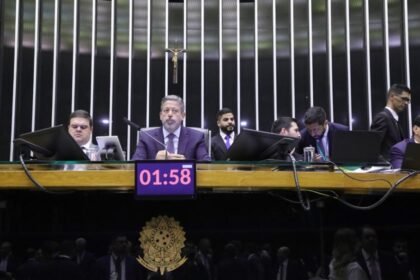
[
  {"x": 416, "y": 121},
  {"x": 315, "y": 115},
  {"x": 282, "y": 122},
  {"x": 398, "y": 89},
  {"x": 81, "y": 114},
  {"x": 346, "y": 246},
  {"x": 175, "y": 98},
  {"x": 223, "y": 111}
]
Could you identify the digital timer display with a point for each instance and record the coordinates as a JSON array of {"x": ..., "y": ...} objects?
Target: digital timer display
[{"x": 155, "y": 179}]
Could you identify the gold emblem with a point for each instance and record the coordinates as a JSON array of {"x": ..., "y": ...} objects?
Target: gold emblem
[{"x": 161, "y": 240}]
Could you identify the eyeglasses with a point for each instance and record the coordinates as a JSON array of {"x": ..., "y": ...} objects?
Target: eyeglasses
[
  {"x": 173, "y": 110},
  {"x": 82, "y": 126}
]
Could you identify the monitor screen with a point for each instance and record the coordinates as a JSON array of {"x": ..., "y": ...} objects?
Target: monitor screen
[
  {"x": 53, "y": 143},
  {"x": 165, "y": 179},
  {"x": 357, "y": 147},
  {"x": 252, "y": 145},
  {"x": 411, "y": 157},
  {"x": 110, "y": 148}
]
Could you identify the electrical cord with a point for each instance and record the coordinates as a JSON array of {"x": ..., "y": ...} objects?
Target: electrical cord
[
  {"x": 306, "y": 205},
  {"x": 34, "y": 181}
]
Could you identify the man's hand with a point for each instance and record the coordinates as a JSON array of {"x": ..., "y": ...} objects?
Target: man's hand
[{"x": 163, "y": 154}]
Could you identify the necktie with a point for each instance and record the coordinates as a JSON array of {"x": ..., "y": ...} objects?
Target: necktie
[
  {"x": 400, "y": 130},
  {"x": 374, "y": 272},
  {"x": 280, "y": 273},
  {"x": 227, "y": 142},
  {"x": 170, "y": 146},
  {"x": 117, "y": 262},
  {"x": 321, "y": 149}
]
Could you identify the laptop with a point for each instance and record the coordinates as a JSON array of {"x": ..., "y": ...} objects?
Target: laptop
[
  {"x": 411, "y": 159},
  {"x": 358, "y": 147}
]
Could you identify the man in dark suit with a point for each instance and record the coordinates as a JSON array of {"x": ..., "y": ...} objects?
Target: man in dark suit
[
  {"x": 398, "y": 150},
  {"x": 378, "y": 265},
  {"x": 286, "y": 126},
  {"x": 221, "y": 142},
  {"x": 318, "y": 133},
  {"x": 386, "y": 121},
  {"x": 118, "y": 265},
  {"x": 80, "y": 127},
  {"x": 172, "y": 140},
  {"x": 287, "y": 268}
]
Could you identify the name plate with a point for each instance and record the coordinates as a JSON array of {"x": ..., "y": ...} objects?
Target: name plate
[{"x": 165, "y": 179}]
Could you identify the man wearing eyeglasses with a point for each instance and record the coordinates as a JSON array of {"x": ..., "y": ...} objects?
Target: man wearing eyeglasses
[
  {"x": 387, "y": 121},
  {"x": 172, "y": 140},
  {"x": 80, "y": 127}
]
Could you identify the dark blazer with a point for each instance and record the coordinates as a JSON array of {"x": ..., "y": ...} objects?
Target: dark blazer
[
  {"x": 393, "y": 133},
  {"x": 295, "y": 271},
  {"x": 387, "y": 263},
  {"x": 308, "y": 140},
  {"x": 397, "y": 152},
  {"x": 218, "y": 147},
  {"x": 102, "y": 269},
  {"x": 191, "y": 144}
]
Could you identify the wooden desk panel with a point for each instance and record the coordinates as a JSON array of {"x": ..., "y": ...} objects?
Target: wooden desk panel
[{"x": 210, "y": 176}]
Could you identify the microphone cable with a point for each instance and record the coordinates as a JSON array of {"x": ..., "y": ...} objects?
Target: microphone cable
[{"x": 35, "y": 182}]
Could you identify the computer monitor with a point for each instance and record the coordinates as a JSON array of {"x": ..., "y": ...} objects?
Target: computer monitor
[
  {"x": 411, "y": 159},
  {"x": 110, "y": 148},
  {"x": 252, "y": 145},
  {"x": 53, "y": 143},
  {"x": 357, "y": 147}
]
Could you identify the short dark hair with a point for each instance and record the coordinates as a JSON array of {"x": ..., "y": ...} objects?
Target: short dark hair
[
  {"x": 81, "y": 114},
  {"x": 315, "y": 115},
  {"x": 398, "y": 89},
  {"x": 282, "y": 122},
  {"x": 417, "y": 121},
  {"x": 223, "y": 111}
]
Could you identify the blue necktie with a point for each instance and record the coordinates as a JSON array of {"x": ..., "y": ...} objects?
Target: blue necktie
[
  {"x": 170, "y": 146},
  {"x": 227, "y": 142},
  {"x": 320, "y": 148}
]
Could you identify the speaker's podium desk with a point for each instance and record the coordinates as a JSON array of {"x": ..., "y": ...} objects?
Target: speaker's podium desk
[{"x": 217, "y": 177}]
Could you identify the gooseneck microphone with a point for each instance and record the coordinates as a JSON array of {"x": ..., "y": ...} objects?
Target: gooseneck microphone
[
  {"x": 138, "y": 128},
  {"x": 132, "y": 124}
]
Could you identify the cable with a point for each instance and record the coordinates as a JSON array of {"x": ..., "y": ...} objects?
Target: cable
[
  {"x": 306, "y": 206},
  {"x": 34, "y": 181}
]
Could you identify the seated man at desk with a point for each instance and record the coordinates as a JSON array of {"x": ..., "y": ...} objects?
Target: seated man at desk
[
  {"x": 287, "y": 126},
  {"x": 318, "y": 132},
  {"x": 172, "y": 140},
  {"x": 80, "y": 127},
  {"x": 398, "y": 150}
]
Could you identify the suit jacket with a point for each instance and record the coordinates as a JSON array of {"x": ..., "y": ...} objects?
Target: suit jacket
[
  {"x": 102, "y": 269},
  {"x": 295, "y": 271},
  {"x": 218, "y": 147},
  {"x": 308, "y": 140},
  {"x": 191, "y": 144},
  {"x": 385, "y": 123},
  {"x": 387, "y": 263},
  {"x": 397, "y": 152}
]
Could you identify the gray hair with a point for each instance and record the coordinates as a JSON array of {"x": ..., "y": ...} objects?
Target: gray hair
[{"x": 175, "y": 98}]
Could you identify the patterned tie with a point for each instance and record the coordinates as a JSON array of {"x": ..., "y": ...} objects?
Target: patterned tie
[
  {"x": 227, "y": 142},
  {"x": 170, "y": 146},
  {"x": 321, "y": 149}
]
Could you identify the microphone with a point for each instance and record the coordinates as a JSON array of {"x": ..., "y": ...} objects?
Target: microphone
[
  {"x": 132, "y": 124},
  {"x": 138, "y": 128}
]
